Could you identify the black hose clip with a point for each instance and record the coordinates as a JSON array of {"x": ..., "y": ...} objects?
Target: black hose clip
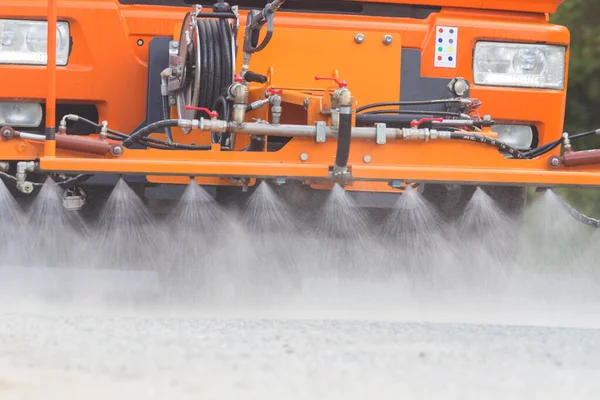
[
  {"x": 254, "y": 77},
  {"x": 221, "y": 7}
]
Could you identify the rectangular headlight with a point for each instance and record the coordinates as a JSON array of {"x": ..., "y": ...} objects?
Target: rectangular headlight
[
  {"x": 521, "y": 65},
  {"x": 20, "y": 115},
  {"x": 518, "y": 136},
  {"x": 25, "y": 42}
]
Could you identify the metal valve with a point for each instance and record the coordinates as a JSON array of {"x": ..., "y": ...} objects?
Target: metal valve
[
  {"x": 211, "y": 114},
  {"x": 340, "y": 83},
  {"x": 275, "y": 100}
]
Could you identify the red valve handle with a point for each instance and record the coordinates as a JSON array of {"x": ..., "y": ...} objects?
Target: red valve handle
[
  {"x": 341, "y": 84},
  {"x": 275, "y": 91},
  {"x": 416, "y": 124},
  {"x": 238, "y": 79},
  {"x": 212, "y": 114}
]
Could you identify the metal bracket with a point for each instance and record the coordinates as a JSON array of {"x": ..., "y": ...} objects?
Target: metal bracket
[
  {"x": 321, "y": 135},
  {"x": 380, "y": 137}
]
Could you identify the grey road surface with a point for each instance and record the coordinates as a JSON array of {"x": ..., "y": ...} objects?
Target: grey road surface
[{"x": 89, "y": 355}]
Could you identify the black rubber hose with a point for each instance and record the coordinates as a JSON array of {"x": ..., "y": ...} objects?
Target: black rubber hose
[
  {"x": 222, "y": 106},
  {"x": 214, "y": 81},
  {"x": 226, "y": 52},
  {"x": 490, "y": 142},
  {"x": 344, "y": 139},
  {"x": 149, "y": 129},
  {"x": 408, "y": 103},
  {"x": 204, "y": 73},
  {"x": 416, "y": 112},
  {"x": 149, "y": 142},
  {"x": 552, "y": 145},
  {"x": 578, "y": 215}
]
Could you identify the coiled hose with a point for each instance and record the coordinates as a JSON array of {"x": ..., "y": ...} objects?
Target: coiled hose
[{"x": 216, "y": 60}]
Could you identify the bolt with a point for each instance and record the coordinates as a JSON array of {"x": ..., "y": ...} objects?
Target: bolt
[
  {"x": 387, "y": 40},
  {"x": 7, "y": 133},
  {"x": 4, "y": 166},
  {"x": 172, "y": 101},
  {"x": 174, "y": 45},
  {"x": 304, "y": 157},
  {"x": 140, "y": 42},
  {"x": 367, "y": 159},
  {"x": 306, "y": 103},
  {"x": 487, "y": 118},
  {"x": 116, "y": 150},
  {"x": 554, "y": 162},
  {"x": 359, "y": 38}
]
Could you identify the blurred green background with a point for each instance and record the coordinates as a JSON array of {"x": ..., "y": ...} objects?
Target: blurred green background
[{"x": 582, "y": 17}]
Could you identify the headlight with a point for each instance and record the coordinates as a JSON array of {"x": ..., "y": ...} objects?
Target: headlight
[
  {"x": 25, "y": 42},
  {"x": 521, "y": 65},
  {"x": 19, "y": 115},
  {"x": 518, "y": 136}
]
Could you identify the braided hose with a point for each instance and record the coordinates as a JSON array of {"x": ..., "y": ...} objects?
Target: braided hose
[{"x": 579, "y": 216}]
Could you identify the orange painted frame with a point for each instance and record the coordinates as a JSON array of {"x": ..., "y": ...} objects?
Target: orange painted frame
[{"x": 108, "y": 39}]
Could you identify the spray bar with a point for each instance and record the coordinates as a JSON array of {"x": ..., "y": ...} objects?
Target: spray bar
[{"x": 319, "y": 131}]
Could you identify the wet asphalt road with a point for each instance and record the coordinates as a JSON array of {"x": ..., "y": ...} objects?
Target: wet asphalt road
[{"x": 88, "y": 356}]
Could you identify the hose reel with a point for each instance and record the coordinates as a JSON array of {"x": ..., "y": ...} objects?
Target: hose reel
[{"x": 205, "y": 65}]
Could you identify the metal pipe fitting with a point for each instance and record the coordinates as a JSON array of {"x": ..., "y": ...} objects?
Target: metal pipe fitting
[
  {"x": 275, "y": 109},
  {"x": 104, "y": 130},
  {"x": 310, "y": 131},
  {"x": 239, "y": 93},
  {"x": 257, "y": 104},
  {"x": 23, "y": 167}
]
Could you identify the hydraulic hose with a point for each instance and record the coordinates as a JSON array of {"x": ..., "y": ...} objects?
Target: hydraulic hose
[
  {"x": 410, "y": 103},
  {"x": 344, "y": 139},
  {"x": 552, "y": 145},
  {"x": 149, "y": 142},
  {"x": 415, "y": 112},
  {"x": 578, "y": 215},
  {"x": 149, "y": 129},
  {"x": 490, "y": 142},
  {"x": 223, "y": 107}
]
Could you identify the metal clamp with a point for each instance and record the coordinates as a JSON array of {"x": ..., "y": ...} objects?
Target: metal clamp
[
  {"x": 321, "y": 136},
  {"x": 380, "y": 136}
]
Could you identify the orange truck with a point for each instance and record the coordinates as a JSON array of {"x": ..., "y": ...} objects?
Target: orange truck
[{"x": 373, "y": 95}]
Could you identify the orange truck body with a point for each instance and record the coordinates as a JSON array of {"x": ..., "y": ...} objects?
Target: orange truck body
[{"x": 107, "y": 72}]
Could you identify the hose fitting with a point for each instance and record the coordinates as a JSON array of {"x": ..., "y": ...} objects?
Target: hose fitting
[
  {"x": 23, "y": 167},
  {"x": 103, "y": 130},
  {"x": 238, "y": 92},
  {"x": 275, "y": 99}
]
